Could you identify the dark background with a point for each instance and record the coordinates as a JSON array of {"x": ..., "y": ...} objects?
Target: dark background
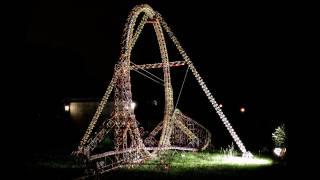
[{"x": 69, "y": 50}]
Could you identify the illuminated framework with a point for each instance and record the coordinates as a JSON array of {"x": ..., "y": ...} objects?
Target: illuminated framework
[{"x": 176, "y": 130}]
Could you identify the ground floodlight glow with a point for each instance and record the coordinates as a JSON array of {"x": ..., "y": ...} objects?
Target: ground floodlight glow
[
  {"x": 212, "y": 161},
  {"x": 280, "y": 152},
  {"x": 277, "y": 151},
  {"x": 248, "y": 155},
  {"x": 234, "y": 160},
  {"x": 133, "y": 105}
]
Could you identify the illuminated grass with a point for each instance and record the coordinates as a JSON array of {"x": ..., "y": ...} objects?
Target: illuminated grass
[
  {"x": 207, "y": 159},
  {"x": 197, "y": 165},
  {"x": 188, "y": 161}
]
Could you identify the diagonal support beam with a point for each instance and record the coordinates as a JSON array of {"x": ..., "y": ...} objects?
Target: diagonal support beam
[{"x": 156, "y": 65}]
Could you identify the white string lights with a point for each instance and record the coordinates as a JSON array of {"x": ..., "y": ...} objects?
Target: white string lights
[{"x": 176, "y": 130}]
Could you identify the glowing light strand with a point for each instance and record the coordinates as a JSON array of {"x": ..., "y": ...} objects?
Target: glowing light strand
[
  {"x": 203, "y": 85},
  {"x": 177, "y": 130}
]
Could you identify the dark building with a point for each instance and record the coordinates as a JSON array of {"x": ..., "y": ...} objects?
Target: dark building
[{"x": 81, "y": 110}]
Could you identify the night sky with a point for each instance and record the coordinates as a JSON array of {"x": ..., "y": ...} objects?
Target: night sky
[{"x": 69, "y": 51}]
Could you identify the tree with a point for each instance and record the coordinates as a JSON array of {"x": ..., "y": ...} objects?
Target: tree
[{"x": 279, "y": 136}]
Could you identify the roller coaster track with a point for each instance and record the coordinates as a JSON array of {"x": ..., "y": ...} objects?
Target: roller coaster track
[{"x": 177, "y": 131}]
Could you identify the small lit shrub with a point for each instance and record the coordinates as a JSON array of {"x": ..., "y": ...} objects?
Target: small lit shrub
[{"x": 279, "y": 136}]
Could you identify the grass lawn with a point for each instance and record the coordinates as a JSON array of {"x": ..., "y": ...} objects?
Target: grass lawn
[
  {"x": 193, "y": 165},
  {"x": 174, "y": 165}
]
